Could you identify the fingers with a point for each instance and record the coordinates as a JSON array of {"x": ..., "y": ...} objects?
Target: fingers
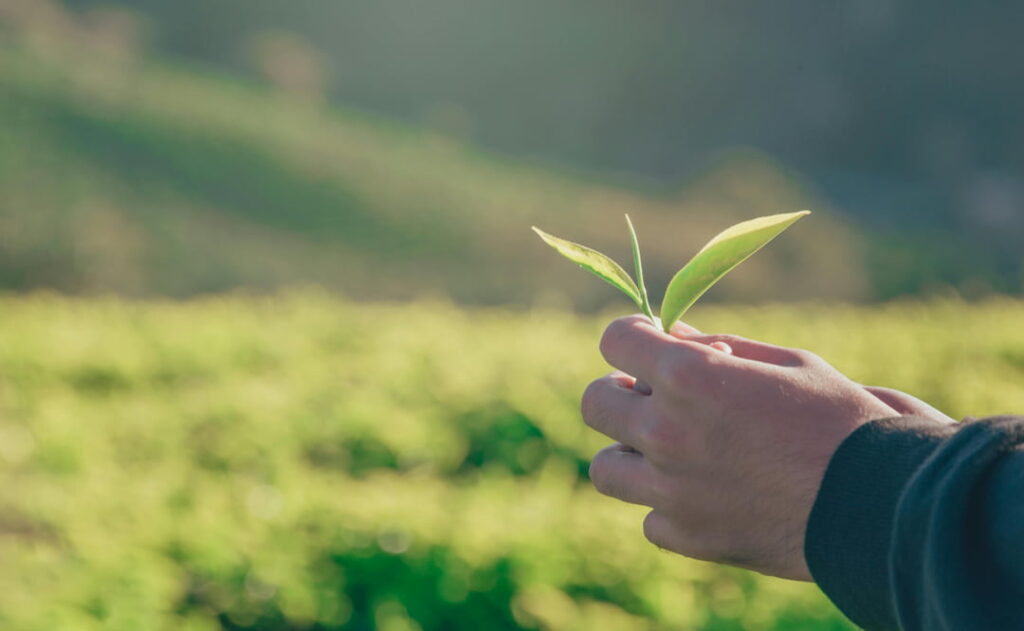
[
  {"x": 663, "y": 532},
  {"x": 660, "y": 531},
  {"x": 721, "y": 346},
  {"x": 624, "y": 474},
  {"x": 907, "y": 404},
  {"x": 754, "y": 350},
  {"x": 612, "y": 406},
  {"x": 633, "y": 345},
  {"x": 682, "y": 329}
]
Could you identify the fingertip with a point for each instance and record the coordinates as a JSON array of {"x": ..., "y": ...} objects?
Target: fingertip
[
  {"x": 904, "y": 403},
  {"x": 743, "y": 348},
  {"x": 625, "y": 334},
  {"x": 628, "y": 382},
  {"x": 722, "y": 346},
  {"x": 636, "y": 346},
  {"x": 682, "y": 329}
]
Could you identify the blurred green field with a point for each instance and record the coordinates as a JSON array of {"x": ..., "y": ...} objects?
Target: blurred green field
[
  {"x": 130, "y": 174},
  {"x": 303, "y": 462}
]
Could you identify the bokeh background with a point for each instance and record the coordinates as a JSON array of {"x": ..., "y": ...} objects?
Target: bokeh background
[{"x": 278, "y": 349}]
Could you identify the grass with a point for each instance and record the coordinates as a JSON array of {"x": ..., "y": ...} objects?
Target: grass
[{"x": 301, "y": 461}]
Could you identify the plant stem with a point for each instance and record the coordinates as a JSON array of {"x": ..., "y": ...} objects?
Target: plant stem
[{"x": 646, "y": 303}]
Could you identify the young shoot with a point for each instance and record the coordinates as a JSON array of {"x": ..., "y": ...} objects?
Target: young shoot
[{"x": 728, "y": 249}]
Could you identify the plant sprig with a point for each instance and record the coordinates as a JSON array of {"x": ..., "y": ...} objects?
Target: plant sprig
[
  {"x": 645, "y": 304},
  {"x": 717, "y": 258}
]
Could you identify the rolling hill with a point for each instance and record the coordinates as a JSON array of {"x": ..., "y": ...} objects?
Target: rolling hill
[{"x": 121, "y": 173}]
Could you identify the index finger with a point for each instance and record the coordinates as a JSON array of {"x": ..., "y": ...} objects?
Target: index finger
[{"x": 635, "y": 346}]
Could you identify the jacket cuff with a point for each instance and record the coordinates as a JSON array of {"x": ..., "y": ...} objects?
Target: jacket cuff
[{"x": 849, "y": 531}]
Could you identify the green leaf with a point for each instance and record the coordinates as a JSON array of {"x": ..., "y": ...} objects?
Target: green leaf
[
  {"x": 594, "y": 262},
  {"x": 727, "y": 250},
  {"x": 645, "y": 304}
]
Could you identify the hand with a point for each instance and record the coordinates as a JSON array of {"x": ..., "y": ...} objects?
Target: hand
[{"x": 727, "y": 439}]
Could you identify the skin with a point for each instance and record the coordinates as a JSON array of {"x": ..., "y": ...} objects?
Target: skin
[{"x": 726, "y": 439}]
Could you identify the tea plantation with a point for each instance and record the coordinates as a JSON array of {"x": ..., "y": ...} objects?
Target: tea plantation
[{"x": 303, "y": 462}]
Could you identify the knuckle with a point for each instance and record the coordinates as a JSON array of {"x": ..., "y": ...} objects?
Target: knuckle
[
  {"x": 684, "y": 370},
  {"x": 661, "y": 439},
  {"x": 807, "y": 358},
  {"x": 676, "y": 368}
]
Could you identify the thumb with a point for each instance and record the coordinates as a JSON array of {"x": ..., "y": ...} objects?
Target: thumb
[{"x": 907, "y": 404}]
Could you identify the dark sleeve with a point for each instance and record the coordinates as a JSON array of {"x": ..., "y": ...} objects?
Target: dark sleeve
[{"x": 919, "y": 525}]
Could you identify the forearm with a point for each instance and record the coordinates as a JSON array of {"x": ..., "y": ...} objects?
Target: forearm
[{"x": 916, "y": 525}]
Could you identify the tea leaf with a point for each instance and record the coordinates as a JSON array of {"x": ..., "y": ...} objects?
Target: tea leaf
[
  {"x": 645, "y": 305},
  {"x": 731, "y": 247},
  {"x": 594, "y": 262}
]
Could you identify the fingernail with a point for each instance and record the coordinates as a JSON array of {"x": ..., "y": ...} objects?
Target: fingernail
[{"x": 641, "y": 387}]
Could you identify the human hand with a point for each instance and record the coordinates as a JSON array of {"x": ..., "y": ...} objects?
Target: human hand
[{"x": 728, "y": 443}]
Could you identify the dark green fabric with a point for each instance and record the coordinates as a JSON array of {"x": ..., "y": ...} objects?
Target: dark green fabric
[{"x": 919, "y": 525}]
